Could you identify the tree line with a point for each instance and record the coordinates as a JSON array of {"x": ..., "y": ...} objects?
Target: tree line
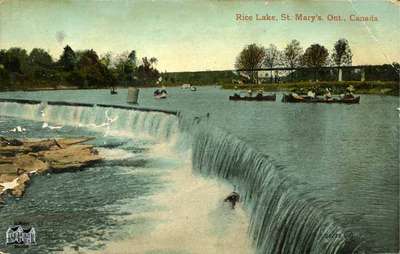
[
  {"x": 81, "y": 68},
  {"x": 254, "y": 57}
]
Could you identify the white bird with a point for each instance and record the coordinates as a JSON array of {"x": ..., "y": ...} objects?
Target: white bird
[
  {"x": 46, "y": 125},
  {"x": 18, "y": 129}
]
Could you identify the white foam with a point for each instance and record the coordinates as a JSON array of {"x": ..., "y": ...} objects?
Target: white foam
[
  {"x": 9, "y": 185},
  {"x": 191, "y": 218},
  {"x": 115, "y": 154}
]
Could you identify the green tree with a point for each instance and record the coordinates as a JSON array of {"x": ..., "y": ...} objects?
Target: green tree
[
  {"x": 106, "y": 59},
  {"x": 250, "y": 59},
  {"x": 272, "y": 57},
  {"x": 315, "y": 57},
  {"x": 146, "y": 72},
  {"x": 91, "y": 71},
  {"x": 341, "y": 54},
  {"x": 16, "y": 60},
  {"x": 40, "y": 57},
  {"x": 40, "y": 64},
  {"x": 125, "y": 68},
  {"x": 292, "y": 53},
  {"x": 132, "y": 58},
  {"x": 291, "y": 56},
  {"x": 68, "y": 59}
]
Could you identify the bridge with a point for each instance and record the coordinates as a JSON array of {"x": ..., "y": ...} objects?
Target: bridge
[{"x": 340, "y": 68}]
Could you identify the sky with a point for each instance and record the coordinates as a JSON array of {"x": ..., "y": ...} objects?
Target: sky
[{"x": 186, "y": 35}]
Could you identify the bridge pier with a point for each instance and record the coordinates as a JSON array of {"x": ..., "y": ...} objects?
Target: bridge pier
[
  {"x": 362, "y": 74},
  {"x": 340, "y": 76}
]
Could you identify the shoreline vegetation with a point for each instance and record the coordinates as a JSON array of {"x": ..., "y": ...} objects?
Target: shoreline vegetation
[
  {"x": 20, "y": 160},
  {"x": 256, "y": 67},
  {"x": 361, "y": 87}
]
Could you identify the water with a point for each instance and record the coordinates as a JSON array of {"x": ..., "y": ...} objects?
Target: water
[{"x": 319, "y": 158}]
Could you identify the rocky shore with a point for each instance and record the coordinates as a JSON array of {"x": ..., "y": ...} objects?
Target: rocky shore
[{"x": 19, "y": 160}]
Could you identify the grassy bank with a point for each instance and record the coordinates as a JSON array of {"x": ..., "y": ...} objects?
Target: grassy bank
[{"x": 366, "y": 87}]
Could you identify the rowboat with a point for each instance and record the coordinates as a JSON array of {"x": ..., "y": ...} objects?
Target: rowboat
[
  {"x": 237, "y": 97},
  {"x": 163, "y": 94},
  {"x": 306, "y": 99}
]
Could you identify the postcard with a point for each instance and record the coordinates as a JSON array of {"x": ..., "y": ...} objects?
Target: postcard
[{"x": 199, "y": 127}]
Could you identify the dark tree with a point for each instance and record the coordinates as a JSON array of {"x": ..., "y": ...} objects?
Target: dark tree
[
  {"x": 291, "y": 56},
  {"x": 147, "y": 74},
  {"x": 39, "y": 57},
  {"x": 68, "y": 59},
  {"x": 132, "y": 57},
  {"x": 40, "y": 65},
  {"x": 250, "y": 59},
  {"x": 292, "y": 53},
  {"x": 315, "y": 57},
  {"x": 16, "y": 60},
  {"x": 342, "y": 53},
  {"x": 272, "y": 57}
]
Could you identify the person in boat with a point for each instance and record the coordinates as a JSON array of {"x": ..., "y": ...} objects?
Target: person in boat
[
  {"x": 349, "y": 92},
  {"x": 250, "y": 92},
  {"x": 295, "y": 95},
  {"x": 163, "y": 91},
  {"x": 260, "y": 92},
  {"x": 311, "y": 94},
  {"x": 328, "y": 94},
  {"x": 235, "y": 94},
  {"x": 156, "y": 92},
  {"x": 233, "y": 198}
]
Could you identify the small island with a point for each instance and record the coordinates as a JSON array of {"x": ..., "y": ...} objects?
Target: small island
[{"x": 20, "y": 160}]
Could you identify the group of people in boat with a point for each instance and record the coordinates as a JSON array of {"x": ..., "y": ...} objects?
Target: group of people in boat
[
  {"x": 314, "y": 92},
  {"x": 250, "y": 92},
  {"x": 160, "y": 94}
]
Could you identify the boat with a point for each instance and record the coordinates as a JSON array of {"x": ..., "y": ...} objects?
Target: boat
[
  {"x": 307, "y": 99},
  {"x": 193, "y": 88},
  {"x": 163, "y": 94},
  {"x": 259, "y": 97}
]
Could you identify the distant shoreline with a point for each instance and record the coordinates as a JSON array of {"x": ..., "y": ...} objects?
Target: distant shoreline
[
  {"x": 361, "y": 87},
  {"x": 365, "y": 87}
]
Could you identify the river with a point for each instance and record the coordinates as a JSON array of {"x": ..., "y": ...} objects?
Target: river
[{"x": 315, "y": 178}]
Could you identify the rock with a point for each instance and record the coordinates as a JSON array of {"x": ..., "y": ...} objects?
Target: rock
[
  {"x": 29, "y": 163},
  {"x": 13, "y": 150},
  {"x": 10, "y": 142},
  {"x": 20, "y": 159},
  {"x": 22, "y": 181},
  {"x": 69, "y": 158}
]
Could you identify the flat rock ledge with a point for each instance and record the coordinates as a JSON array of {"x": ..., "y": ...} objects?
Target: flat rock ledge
[{"x": 19, "y": 160}]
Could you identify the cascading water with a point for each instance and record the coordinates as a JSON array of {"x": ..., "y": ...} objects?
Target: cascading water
[
  {"x": 282, "y": 219},
  {"x": 146, "y": 124}
]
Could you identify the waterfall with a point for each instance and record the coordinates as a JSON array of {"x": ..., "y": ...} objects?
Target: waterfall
[
  {"x": 282, "y": 218},
  {"x": 132, "y": 122}
]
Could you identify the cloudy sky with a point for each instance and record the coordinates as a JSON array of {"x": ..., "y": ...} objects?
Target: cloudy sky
[{"x": 190, "y": 35}]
